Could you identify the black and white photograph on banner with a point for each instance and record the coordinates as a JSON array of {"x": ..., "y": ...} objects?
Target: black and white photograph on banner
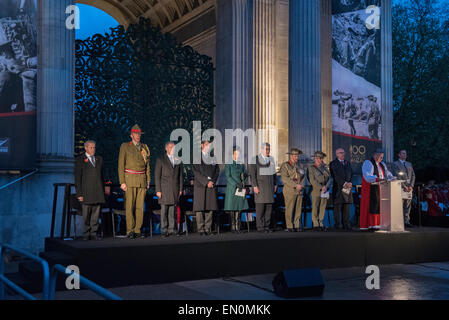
[
  {"x": 18, "y": 83},
  {"x": 356, "y": 74},
  {"x": 18, "y": 56}
]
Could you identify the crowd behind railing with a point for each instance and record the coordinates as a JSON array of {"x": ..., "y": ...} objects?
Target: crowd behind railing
[{"x": 433, "y": 199}]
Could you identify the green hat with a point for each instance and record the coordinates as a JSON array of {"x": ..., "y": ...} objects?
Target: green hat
[
  {"x": 294, "y": 152},
  {"x": 320, "y": 154},
  {"x": 136, "y": 129}
]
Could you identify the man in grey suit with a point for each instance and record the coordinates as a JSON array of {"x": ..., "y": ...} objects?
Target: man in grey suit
[
  {"x": 89, "y": 185},
  {"x": 168, "y": 177},
  {"x": 263, "y": 180},
  {"x": 403, "y": 170}
]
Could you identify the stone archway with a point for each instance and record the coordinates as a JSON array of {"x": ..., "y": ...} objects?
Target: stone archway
[
  {"x": 113, "y": 8},
  {"x": 166, "y": 15},
  {"x": 191, "y": 22}
]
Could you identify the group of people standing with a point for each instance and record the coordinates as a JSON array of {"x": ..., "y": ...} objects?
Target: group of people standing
[
  {"x": 294, "y": 176},
  {"x": 134, "y": 177}
]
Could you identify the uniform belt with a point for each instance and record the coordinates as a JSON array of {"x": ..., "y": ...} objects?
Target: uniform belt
[{"x": 134, "y": 171}]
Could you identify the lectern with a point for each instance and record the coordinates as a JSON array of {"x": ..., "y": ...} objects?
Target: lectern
[{"x": 391, "y": 210}]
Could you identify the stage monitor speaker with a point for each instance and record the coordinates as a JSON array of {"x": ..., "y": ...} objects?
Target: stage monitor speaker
[{"x": 298, "y": 283}]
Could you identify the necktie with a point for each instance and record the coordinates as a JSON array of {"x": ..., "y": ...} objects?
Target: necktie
[
  {"x": 92, "y": 160},
  {"x": 172, "y": 162}
]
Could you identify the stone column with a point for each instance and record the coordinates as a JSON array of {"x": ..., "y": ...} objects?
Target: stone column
[
  {"x": 241, "y": 72},
  {"x": 264, "y": 58},
  {"x": 281, "y": 83},
  {"x": 247, "y": 60},
  {"x": 387, "y": 80},
  {"x": 233, "y": 74},
  {"x": 305, "y": 103},
  {"x": 55, "y": 120},
  {"x": 25, "y": 211},
  {"x": 326, "y": 78}
]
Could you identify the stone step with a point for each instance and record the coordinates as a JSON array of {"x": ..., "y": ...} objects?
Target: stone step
[
  {"x": 32, "y": 271},
  {"x": 22, "y": 282},
  {"x": 56, "y": 257}
]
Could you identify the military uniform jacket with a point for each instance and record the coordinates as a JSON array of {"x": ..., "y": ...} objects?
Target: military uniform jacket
[
  {"x": 168, "y": 180},
  {"x": 318, "y": 178},
  {"x": 293, "y": 175},
  {"x": 132, "y": 159},
  {"x": 341, "y": 173},
  {"x": 408, "y": 174},
  {"x": 204, "y": 198},
  {"x": 89, "y": 181},
  {"x": 262, "y": 179}
]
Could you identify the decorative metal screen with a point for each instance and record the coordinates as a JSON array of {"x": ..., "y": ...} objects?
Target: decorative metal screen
[{"x": 142, "y": 76}]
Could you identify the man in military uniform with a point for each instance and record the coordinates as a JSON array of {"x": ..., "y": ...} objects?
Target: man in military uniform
[
  {"x": 134, "y": 176},
  {"x": 374, "y": 118},
  {"x": 293, "y": 177},
  {"x": 351, "y": 113},
  {"x": 11, "y": 88},
  {"x": 319, "y": 177}
]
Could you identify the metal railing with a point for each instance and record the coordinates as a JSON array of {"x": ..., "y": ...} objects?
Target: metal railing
[
  {"x": 48, "y": 281},
  {"x": 19, "y": 179},
  {"x": 6, "y": 282},
  {"x": 57, "y": 268}
]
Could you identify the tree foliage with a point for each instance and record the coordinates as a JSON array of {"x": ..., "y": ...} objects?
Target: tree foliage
[{"x": 421, "y": 82}]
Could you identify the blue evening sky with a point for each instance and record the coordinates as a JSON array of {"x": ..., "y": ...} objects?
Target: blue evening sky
[{"x": 92, "y": 21}]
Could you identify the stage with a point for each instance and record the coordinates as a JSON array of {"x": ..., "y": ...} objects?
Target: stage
[{"x": 123, "y": 262}]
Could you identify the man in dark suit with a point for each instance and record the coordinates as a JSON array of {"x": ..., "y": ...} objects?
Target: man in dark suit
[
  {"x": 168, "y": 177},
  {"x": 341, "y": 173},
  {"x": 263, "y": 180},
  {"x": 204, "y": 189},
  {"x": 89, "y": 185}
]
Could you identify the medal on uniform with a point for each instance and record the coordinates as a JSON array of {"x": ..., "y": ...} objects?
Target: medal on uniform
[{"x": 144, "y": 154}]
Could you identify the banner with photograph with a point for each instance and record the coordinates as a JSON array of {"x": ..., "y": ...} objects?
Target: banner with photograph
[
  {"x": 356, "y": 78},
  {"x": 18, "y": 84}
]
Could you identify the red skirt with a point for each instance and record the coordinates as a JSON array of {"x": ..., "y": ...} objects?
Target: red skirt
[{"x": 367, "y": 220}]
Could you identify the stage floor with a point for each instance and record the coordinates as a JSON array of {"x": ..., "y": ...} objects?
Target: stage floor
[
  {"x": 397, "y": 282},
  {"x": 124, "y": 262}
]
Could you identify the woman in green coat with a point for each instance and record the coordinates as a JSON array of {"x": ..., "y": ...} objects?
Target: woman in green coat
[{"x": 235, "y": 177}]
